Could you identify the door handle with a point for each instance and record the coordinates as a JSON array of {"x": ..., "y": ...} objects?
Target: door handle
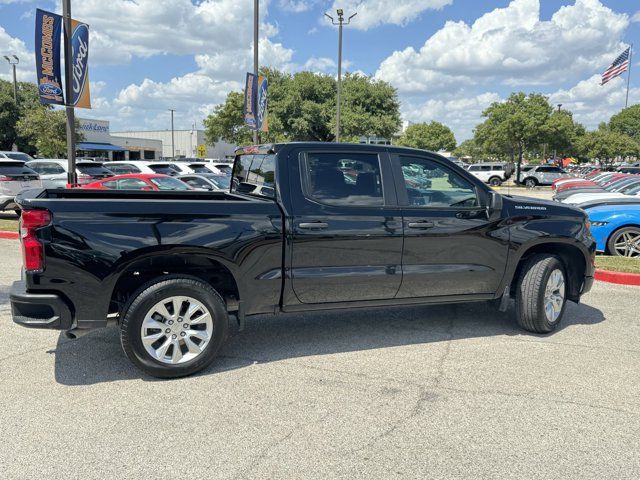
[
  {"x": 421, "y": 225},
  {"x": 313, "y": 225}
]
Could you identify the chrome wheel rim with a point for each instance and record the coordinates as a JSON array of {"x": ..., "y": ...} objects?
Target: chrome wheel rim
[
  {"x": 176, "y": 330},
  {"x": 554, "y": 296},
  {"x": 628, "y": 244}
]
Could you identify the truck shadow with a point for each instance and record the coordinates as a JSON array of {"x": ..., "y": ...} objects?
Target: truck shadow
[{"x": 98, "y": 357}]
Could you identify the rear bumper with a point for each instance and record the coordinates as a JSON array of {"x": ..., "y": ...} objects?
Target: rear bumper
[{"x": 39, "y": 310}]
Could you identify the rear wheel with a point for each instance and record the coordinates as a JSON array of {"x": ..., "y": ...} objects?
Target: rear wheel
[
  {"x": 495, "y": 181},
  {"x": 531, "y": 183},
  {"x": 175, "y": 327},
  {"x": 625, "y": 242},
  {"x": 541, "y": 294}
]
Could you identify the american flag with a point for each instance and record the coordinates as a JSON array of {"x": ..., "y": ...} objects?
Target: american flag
[{"x": 618, "y": 67}]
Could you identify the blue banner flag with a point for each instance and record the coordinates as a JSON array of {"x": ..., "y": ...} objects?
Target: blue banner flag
[
  {"x": 48, "y": 49},
  {"x": 250, "y": 96},
  {"x": 262, "y": 104}
]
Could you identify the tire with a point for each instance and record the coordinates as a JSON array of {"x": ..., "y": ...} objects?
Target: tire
[
  {"x": 181, "y": 357},
  {"x": 538, "y": 273},
  {"x": 625, "y": 238},
  {"x": 530, "y": 182},
  {"x": 495, "y": 181}
]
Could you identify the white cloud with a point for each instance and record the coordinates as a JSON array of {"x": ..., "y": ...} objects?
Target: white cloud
[
  {"x": 514, "y": 46},
  {"x": 636, "y": 17},
  {"x": 372, "y": 13},
  {"x": 297, "y": 6},
  {"x": 592, "y": 103},
  {"x": 14, "y": 46}
]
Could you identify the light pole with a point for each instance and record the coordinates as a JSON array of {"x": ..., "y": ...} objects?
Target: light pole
[
  {"x": 173, "y": 141},
  {"x": 256, "y": 30},
  {"x": 13, "y": 61},
  {"x": 341, "y": 21},
  {"x": 72, "y": 176}
]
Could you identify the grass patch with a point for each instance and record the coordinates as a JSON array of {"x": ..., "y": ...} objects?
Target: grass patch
[
  {"x": 9, "y": 225},
  {"x": 618, "y": 264}
]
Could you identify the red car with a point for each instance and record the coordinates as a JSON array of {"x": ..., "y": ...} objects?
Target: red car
[
  {"x": 580, "y": 183},
  {"x": 139, "y": 181}
]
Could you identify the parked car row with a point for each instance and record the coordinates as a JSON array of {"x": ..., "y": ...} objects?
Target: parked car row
[
  {"x": 19, "y": 171},
  {"x": 612, "y": 201}
]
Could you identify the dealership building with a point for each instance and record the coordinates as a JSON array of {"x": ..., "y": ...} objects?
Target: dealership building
[
  {"x": 185, "y": 143},
  {"x": 97, "y": 141}
]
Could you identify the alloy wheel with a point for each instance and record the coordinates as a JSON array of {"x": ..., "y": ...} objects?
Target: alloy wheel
[
  {"x": 554, "y": 296},
  {"x": 176, "y": 330},
  {"x": 628, "y": 244}
]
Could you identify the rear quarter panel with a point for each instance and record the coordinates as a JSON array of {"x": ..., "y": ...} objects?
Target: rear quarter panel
[{"x": 92, "y": 241}]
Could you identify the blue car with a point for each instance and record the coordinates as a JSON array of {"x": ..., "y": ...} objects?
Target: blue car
[{"x": 616, "y": 229}]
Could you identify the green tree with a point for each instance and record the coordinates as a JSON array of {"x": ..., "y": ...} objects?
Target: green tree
[
  {"x": 560, "y": 134},
  {"x": 46, "y": 129},
  {"x": 432, "y": 136},
  {"x": 302, "y": 107},
  {"x": 470, "y": 150},
  {"x": 514, "y": 125},
  {"x": 627, "y": 122},
  {"x": 10, "y": 112},
  {"x": 605, "y": 145}
]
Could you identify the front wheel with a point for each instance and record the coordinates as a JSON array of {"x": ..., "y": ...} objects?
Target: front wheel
[
  {"x": 541, "y": 294},
  {"x": 531, "y": 183},
  {"x": 625, "y": 242},
  {"x": 174, "y": 327},
  {"x": 495, "y": 181}
]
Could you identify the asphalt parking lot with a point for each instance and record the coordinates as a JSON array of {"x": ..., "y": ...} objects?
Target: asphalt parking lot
[{"x": 418, "y": 392}]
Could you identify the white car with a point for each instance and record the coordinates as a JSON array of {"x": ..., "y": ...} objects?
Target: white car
[
  {"x": 23, "y": 157},
  {"x": 53, "y": 171},
  {"x": 15, "y": 176},
  {"x": 123, "y": 167},
  {"x": 579, "y": 198},
  {"x": 489, "y": 172}
]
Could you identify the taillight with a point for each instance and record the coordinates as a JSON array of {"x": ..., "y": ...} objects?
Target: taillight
[
  {"x": 32, "y": 248},
  {"x": 4, "y": 179}
]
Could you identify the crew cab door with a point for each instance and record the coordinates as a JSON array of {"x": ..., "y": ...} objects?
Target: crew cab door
[
  {"x": 450, "y": 247},
  {"x": 346, "y": 229}
]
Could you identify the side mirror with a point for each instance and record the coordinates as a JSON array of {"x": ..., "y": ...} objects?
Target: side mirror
[
  {"x": 146, "y": 189},
  {"x": 494, "y": 205}
]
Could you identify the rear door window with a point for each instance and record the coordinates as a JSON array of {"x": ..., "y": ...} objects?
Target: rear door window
[{"x": 349, "y": 179}]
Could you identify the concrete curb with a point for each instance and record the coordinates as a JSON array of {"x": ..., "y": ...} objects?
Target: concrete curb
[
  {"x": 619, "y": 278},
  {"x": 9, "y": 235}
]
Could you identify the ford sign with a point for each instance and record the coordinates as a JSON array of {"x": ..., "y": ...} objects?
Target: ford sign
[
  {"x": 49, "y": 89},
  {"x": 80, "y": 66}
]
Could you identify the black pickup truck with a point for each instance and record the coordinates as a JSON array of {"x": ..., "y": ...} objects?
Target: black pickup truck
[{"x": 305, "y": 226}]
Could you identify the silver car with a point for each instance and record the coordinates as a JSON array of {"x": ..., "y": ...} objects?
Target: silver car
[
  {"x": 541, "y": 175},
  {"x": 15, "y": 177},
  {"x": 53, "y": 172},
  {"x": 213, "y": 182}
]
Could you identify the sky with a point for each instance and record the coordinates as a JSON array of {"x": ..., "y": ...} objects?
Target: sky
[{"x": 448, "y": 59}]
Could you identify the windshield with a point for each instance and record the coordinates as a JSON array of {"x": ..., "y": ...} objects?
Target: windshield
[
  {"x": 255, "y": 174},
  {"x": 19, "y": 156},
  {"x": 93, "y": 170},
  {"x": 168, "y": 183},
  {"x": 223, "y": 182},
  {"x": 164, "y": 169}
]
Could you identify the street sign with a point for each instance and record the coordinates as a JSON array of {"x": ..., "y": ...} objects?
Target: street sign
[{"x": 202, "y": 150}]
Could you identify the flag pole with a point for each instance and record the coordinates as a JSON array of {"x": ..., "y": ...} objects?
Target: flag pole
[{"x": 626, "y": 103}]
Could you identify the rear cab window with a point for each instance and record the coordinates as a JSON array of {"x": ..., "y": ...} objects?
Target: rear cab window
[{"x": 255, "y": 174}]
